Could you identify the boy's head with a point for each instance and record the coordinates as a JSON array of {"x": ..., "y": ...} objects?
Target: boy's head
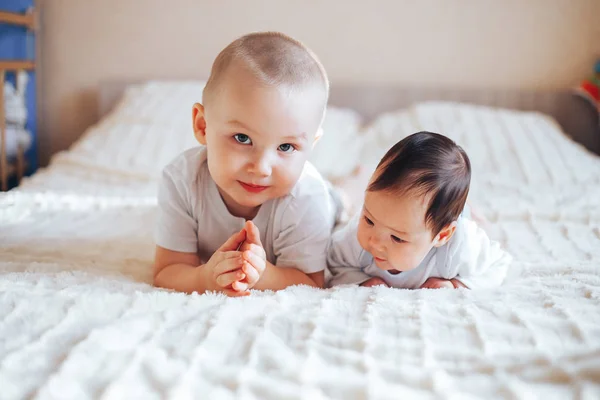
[
  {"x": 263, "y": 107},
  {"x": 413, "y": 200}
]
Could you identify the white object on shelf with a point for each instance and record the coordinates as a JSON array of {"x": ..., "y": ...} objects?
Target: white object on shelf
[
  {"x": 16, "y": 136},
  {"x": 14, "y": 100}
]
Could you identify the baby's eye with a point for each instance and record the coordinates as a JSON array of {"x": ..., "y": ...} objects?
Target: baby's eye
[
  {"x": 241, "y": 138},
  {"x": 397, "y": 239},
  {"x": 368, "y": 221},
  {"x": 286, "y": 148}
]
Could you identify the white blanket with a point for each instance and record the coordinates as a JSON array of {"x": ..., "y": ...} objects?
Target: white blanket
[{"x": 79, "y": 318}]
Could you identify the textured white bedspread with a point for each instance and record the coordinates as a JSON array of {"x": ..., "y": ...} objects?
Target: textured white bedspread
[{"x": 79, "y": 318}]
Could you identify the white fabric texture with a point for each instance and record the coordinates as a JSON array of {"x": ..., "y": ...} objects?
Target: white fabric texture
[
  {"x": 469, "y": 256},
  {"x": 79, "y": 318},
  {"x": 192, "y": 217}
]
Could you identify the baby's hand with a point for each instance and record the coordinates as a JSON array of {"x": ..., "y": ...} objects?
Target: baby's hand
[
  {"x": 374, "y": 282},
  {"x": 225, "y": 267},
  {"x": 437, "y": 283},
  {"x": 254, "y": 257}
]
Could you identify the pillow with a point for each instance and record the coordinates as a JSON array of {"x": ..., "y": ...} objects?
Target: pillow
[
  {"x": 512, "y": 148},
  {"x": 337, "y": 153},
  {"x": 164, "y": 102},
  {"x": 151, "y": 125}
]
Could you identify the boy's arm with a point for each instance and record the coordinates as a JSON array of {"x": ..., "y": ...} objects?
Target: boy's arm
[
  {"x": 318, "y": 278},
  {"x": 301, "y": 244},
  {"x": 278, "y": 278},
  {"x": 182, "y": 271},
  {"x": 178, "y": 271},
  {"x": 176, "y": 263},
  {"x": 262, "y": 275}
]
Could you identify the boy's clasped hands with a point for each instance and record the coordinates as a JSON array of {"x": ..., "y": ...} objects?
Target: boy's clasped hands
[{"x": 239, "y": 263}]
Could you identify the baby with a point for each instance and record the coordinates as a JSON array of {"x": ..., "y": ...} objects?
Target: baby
[
  {"x": 411, "y": 232},
  {"x": 245, "y": 209}
]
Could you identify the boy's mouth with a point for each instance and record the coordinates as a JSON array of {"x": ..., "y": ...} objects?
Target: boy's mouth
[{"x": 252, "y": 188}]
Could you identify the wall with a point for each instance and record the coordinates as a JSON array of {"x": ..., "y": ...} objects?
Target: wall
[{"x": 543, "y": 44}]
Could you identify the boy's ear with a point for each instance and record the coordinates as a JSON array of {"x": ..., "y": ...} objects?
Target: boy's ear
[
  {"x": 199, "y": 123},
  {"x": 445, "y": 234}
]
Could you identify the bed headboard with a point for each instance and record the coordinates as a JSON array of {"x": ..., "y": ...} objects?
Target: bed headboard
[{"x": 576, "y": 115}]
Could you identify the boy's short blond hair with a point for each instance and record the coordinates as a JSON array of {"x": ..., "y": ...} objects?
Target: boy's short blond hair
[{"x": 274, "y": 59}]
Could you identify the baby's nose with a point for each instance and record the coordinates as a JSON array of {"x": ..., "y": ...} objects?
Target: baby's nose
[{"x": 375, "y": 244}]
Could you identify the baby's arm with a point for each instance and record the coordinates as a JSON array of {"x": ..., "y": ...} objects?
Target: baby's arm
[
  {"x": 480, "y": 262},
  {"x": 343, "y": 257},
  {"x": 375, "y": 281},
  {"x": 441, "y": 283}
]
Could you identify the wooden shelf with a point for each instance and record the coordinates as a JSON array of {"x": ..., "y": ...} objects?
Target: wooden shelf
[
  {"x": 16, "y": 65},
  {"x": 26, "y": 20}
]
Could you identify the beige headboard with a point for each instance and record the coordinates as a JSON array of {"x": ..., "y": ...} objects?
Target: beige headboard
[{"x": 576, "y": 115}]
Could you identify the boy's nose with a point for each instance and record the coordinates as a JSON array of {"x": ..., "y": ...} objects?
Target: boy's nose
[{"x": 261, "y": 166}]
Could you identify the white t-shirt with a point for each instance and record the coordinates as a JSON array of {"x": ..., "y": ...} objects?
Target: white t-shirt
[
  {"x": 470, "y": 256},
  {"x": 294, "y": 229}
]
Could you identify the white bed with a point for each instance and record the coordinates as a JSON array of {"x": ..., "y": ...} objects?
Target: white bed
[{"x": 80, "y": 319}]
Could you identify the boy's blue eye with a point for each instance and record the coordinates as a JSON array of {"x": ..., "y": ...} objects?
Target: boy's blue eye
[
  {"x": 368, "y": 221},
  {"x": 241, "y": 138},
  {"x": 286, "y": 148},
  {"x": 397, "y": 239}
]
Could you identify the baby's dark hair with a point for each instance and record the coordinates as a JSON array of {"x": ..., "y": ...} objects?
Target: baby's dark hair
[{"x": 432, "y": 165}]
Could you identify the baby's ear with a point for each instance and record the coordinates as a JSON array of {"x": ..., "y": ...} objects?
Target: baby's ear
[
  {"x": 199, "y": 123},
  {"x": 318, "y": 135},
  {"x": 445, "y": 234}
]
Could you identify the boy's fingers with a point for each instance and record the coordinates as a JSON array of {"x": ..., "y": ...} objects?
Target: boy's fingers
[
  {"x": 230, "y": 254},
  {"x": 252, "y": 233},
  {"x": 228, "y": 278},
  {"x": 234, "y": 293},
  {"x": 240, "y": 286},
  {"x": 228, "y": 265},
  {"x": 234, "y": 241},
  {"x": 256, "y": 249},
  {"x": 257, "y": 262},
  {"x": 252, "y": 275}
]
